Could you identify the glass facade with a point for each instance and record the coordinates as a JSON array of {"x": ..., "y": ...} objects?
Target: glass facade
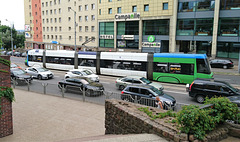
[
  {"x": 229, "y": 27},
  {"x": 156, "y": 27},
  {"x": 130, "y": 28},
  {"x": 198, "y": 27},
  {"x": 228, "y": 50},
  {"x": 229, "y": 4},
  {"x": 203, "y": 47},
  {"x": 195, "y": 6},
  {"x": 106, "y": 28}
]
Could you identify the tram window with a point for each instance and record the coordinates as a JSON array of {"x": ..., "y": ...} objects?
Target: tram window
[
  {"x": 202, "y": 66},
  {"x": 87, "y": 62},
  {"x": 180, "y": 68},
  {"x": 125, "y": 65},
  {"x": 62, "y": 61},
  {"x": 56, "y": 60},
  {"x": 160, "y": 67},
  {"x": 69, "y": 61}
]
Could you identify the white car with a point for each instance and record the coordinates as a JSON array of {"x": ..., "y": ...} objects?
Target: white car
[
  {"x": 82, "y": 73},
  {"x": 39, "y": 72}
]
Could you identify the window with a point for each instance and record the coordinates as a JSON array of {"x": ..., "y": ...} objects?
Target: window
[
  {"x": 146, "y": 7},
  {"x": 86, "y": 7},
  {"x": 50, "y": 3},
  {"x": 156, "y": 27},
  {"x": 87, "y": 62},
  {"x": 60, "y": 37},
  {"x": 69, "y": 19},
  {"x": 60, "y": 20},
  {"x": 86, "y": 38},
  {"x": 134, "y": 8},
  {"x": 80, "y": 38},
  {"x": 51, "y": 28},
  {"x": 69, "y": 38},
  {"x": 86, "y": 28},
  {"x": 202, "y": 66},
  {"x": 46, "y": 12},
  {"x": 93, "y": 39},
  {"x": 119, "y": 10},
  {"x": 55, "y": 11},
  {"x": 60, "y": 29},
  {"x": 165, "y": 6},
  {"x": 230, "y": 4},
  {"x": 187, "y": 6},
  {"x": 59, "y": 10},
  {"x": 80, "y": 28},
  {"x": 42, "y": 12},
  {"x": 69, "y": 28},
  {"x": 100, "y": 1},
  {"x": 43, "y": 4},
  {"x": 55, "y": 20},
  {"x": 80, "y": 18},
  {"x": 93, "y": 17},
  {"x": 109, "y": 0},
  {"x": 55, "y": 29},
  {"x": 100, "y": 11},
  {"x": 110, "y": 11},
  {"x": 86, "y": 18},
  {"x": 93, "y": 6},
  {"x": 93, "y": 28},
  {"x": 80, "y": 8},
  {"x": 46, "y": 4}
]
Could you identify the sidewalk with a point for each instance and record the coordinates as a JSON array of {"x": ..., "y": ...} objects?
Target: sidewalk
[{"x": 45, "y": 118}]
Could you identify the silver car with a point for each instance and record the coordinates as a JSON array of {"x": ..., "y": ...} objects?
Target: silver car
[
  {"x": 39, "y": 72},
  {"x": 121, "y": 83}
]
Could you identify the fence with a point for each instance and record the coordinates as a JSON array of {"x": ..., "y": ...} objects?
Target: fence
[{"x": 77, "y": 93}]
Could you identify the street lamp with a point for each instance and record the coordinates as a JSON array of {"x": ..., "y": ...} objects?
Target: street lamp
[
  {"x": 75, "y": 24},
  {"x": 11, "y": 35}
]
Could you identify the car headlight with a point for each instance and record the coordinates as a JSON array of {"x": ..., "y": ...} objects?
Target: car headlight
[
  {"x": 169, "y": 102},
  {"x": 44, "y": 75}
]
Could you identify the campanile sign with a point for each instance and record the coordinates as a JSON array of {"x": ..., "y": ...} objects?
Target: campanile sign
[{"x": 127, "y": 17}]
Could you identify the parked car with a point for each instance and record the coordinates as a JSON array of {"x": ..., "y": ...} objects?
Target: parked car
[
  {"x": 202, "y": 88},
  {"x": 221, "y": 63},
  {"x": 24, "y": 54},
  {"x": 39, "y": 72},
  {"x": 9, "y": 53},
  {"x": 146, "y": 94},
  {"x": 18, "y": 54},
  {"x": 235, "y": 99},
  {"x": 20, "y": 76},
  {"x": 121, "y": 83},
  {"x": 3, "y": 52},
  {"x": 78, "y": 84},
  {"x": 82, "y": 72},
  {"x": 13, "y": 65}
]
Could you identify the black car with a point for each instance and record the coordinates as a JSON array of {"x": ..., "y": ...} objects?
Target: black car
[
  {"x": 221, "y": 63},
  {"x": 20, "y": 76},
  {"x": 201, "y": 88},
  {"x": 78, "y": 84},
  {"x": 146, "y": 94}
]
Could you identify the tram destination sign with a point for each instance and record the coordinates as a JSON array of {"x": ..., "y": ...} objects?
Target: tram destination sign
[{"x": 127, "y": 17}]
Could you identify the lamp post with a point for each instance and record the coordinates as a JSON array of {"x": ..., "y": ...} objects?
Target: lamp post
[
  {"x": 75, "y": 24},
  {"x": 11, "y": 35}
]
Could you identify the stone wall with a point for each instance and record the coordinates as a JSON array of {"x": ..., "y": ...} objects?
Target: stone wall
[
  {"x": 124, "y": 118},
  {"x": 6, "y": 123}
]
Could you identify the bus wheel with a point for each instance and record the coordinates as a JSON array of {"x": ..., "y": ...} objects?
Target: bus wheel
[
  {"x": 121, "y": 87},
  {"x": 200, "y": 99}
]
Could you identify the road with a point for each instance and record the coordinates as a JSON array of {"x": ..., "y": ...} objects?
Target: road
[{"x": 176, "y": 90}]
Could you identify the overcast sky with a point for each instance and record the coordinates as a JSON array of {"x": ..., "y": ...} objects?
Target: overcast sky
[{"x": 13, "y": 10}]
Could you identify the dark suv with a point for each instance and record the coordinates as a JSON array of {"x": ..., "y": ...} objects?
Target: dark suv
[
  {"x": 146, "y": 94},
  {"x": 201, "y": 88}
]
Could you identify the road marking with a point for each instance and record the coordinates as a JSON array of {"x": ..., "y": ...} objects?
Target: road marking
[
  {"x": 105, "y": 82},
  {"x": 185, "y": 93}
]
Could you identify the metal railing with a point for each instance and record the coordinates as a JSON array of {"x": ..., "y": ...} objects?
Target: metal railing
[{"x": 83, "y": 94}]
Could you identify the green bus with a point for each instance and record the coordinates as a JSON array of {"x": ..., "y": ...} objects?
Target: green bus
[{"x": 180, "y": 68}]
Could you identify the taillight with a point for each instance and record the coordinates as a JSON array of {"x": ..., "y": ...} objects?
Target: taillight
[
  {"x": 122, "y": 92},
  {"x": 115, "y": 81},
  {"x": 190, "y": 86},
  {"x": 230, "y": 63}
]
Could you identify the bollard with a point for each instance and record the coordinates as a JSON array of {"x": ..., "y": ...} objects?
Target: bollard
[
  {"x": 44, "y": 87},
  {"x": 84, "y": 95},
  {"x": 62, "y": 89},
  {"x": 14, "y": 83},
  {"x": 28, "y": 84},
  {"x": 135, "y": 99}
]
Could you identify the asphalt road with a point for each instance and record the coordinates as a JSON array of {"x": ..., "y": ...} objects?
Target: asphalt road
[{"x": 176, "y": 90}]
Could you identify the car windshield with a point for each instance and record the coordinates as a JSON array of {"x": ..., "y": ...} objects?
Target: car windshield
[
  {"x": 18, "y": 72},
  {"x": 231, "y": 87},
  {"x": 41, "y": 69},
  {"x": 145, "y": 80},
  {"x": 156, "y": 91},
  {"x": 86, "y": 72}
]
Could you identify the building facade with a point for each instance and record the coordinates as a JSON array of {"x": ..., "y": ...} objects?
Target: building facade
[
  {"x": 189, "y": 26},
  {"x": 55, "y": 20}
]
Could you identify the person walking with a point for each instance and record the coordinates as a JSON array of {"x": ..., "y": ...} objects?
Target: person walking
[{"x": 159, "y": 102}]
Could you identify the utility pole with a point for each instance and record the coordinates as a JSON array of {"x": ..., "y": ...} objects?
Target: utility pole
[
  {"x": 11, "y": 35},
  {"x": 75, "y": 45}
]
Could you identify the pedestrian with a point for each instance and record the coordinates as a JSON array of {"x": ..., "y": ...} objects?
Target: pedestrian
[{"x": 159, "y": 102}]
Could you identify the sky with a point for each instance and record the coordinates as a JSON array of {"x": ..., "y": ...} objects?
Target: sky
[{"x": 13, "y": 10}]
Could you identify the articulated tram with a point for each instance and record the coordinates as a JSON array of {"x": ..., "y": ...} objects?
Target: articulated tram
[{"x": 163, "y": 67}]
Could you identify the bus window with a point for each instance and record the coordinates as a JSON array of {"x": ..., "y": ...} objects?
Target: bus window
[
  {"x": 202, "y": 66},
  {"x": 175, "y": 68},
  {"x": 160, "y": 67}
]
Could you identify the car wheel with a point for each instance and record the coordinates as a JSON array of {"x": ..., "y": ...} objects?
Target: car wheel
[
  {"x": 200, "y": 99},
  {"x": 225, "y": 67},
  {"x": 121, "y": 87},
  {"x": 67, "y": 77},
  {"x": 39, "y": 77},
  {"x": 88, "y": 92}
]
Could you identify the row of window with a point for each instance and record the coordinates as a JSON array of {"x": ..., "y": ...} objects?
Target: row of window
[
  {"x": 69, "y": 29},
  {"x": 125, "y": 65},
  {"x": 52, "y": 37},
  {"x": 134, "y": 8},
  {"x": 51, "y": 3}
]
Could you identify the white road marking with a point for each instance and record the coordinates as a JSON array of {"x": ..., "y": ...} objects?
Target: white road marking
[{"x": 184, "y": 93}]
